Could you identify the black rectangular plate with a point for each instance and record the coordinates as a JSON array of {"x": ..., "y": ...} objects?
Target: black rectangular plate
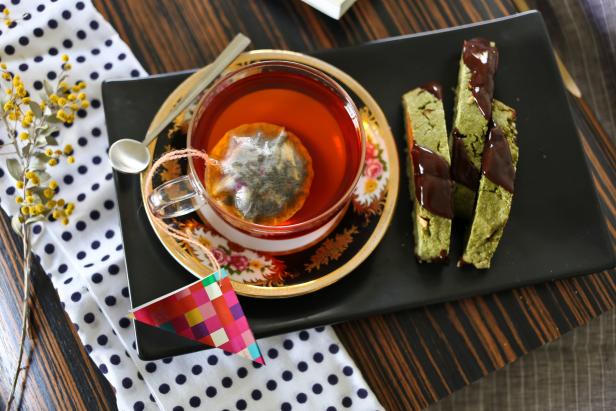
[{"x": 556, "y": 228}]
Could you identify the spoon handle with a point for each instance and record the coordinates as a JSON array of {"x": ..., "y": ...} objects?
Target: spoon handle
[{"x": 230, "y": 53}]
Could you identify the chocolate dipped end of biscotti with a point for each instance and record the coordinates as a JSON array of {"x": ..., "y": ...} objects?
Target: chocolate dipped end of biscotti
[
  {"x": 496, "y": 187},
  {"x": 428, "y": 168},
  {"x": 472, "y": 111}
]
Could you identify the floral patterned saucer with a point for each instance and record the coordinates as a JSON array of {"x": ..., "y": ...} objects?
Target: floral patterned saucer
[{"x": 361, "y": 228}]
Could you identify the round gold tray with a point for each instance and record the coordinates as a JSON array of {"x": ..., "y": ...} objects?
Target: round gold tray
[{"x": 257, "y": 274}]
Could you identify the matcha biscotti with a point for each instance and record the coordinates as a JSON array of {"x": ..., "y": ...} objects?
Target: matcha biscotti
[
  {"x": 495, "y": 193},
  {"x": 429, "y": 174},
  {"x": 472, "y": 112}
]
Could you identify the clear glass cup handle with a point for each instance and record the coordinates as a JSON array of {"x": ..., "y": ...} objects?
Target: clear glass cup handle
[{"x": 177, "y": 197}]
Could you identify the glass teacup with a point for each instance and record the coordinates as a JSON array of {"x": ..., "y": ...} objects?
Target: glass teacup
[{"x": 297, "y": 97}]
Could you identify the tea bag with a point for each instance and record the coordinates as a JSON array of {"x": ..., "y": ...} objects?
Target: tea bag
[{"x": 264, "y": 173}]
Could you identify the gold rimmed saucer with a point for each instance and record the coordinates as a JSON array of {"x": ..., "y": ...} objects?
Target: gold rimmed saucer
[{"x": 315, "y": 265}]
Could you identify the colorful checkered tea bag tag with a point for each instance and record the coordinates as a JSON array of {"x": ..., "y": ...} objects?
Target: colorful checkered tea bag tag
[{"x": 207, "y": 311}]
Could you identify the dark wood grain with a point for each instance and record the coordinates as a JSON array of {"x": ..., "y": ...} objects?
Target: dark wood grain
[
  {"x": 60, "y": 374},
  {"x": 411, "y": 358}
]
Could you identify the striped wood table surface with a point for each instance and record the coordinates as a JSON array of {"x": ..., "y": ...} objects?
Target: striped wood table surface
[{"x": 411, "y": 358}]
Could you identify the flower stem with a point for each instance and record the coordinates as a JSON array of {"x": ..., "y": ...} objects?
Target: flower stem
[{"x": 25, "y": 311}]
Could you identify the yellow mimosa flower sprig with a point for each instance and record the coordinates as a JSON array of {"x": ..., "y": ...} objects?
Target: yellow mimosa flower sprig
[
  {"x": 30, "y": 146},
  {"x": 32, "y": 129}
]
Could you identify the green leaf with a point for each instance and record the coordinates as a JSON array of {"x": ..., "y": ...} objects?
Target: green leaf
[
  {"x": 38, "y": 112},
  {"x": 43, "y": 133},
  {"x": 41, "y": 198},
  {"x": 43, "y": 176},
  {"x": 35, "y": 219},
  {"x": 51, "y": 140},
  {"x": 25, "y": 151},
  {"x": 37, "y": 190},
  {"x": 42, "y": 157},
  {"x": 15, "y": 169},
  {"x": 38, "y": 166},
  {"x": 48, "y": 87},
  {"x": 17, "y": 225},
  {"x": 48, "y": 130},
  {"x": 40, "y": 142},
  {"x": 52, "y": 119}
]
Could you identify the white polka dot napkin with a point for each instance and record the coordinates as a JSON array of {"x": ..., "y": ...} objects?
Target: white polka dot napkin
[{"x": 308, "y": 370}]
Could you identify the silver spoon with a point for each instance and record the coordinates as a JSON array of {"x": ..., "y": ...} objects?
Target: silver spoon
[{"x": 132, "y": 156}]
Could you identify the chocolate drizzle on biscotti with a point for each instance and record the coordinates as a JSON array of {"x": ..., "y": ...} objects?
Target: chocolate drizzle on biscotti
[
  {"x": 496, "y": 163},
  {"x": 434, "y": 88},
  {"x": 481, "y": 58},
  {"x": 433, "y": 187},
  {"x": 462, "y": 169}
]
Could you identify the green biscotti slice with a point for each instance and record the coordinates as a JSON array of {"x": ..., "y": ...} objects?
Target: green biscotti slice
[
  {"x": 493, "y": 201},
  {"x": 468, "y": 121},
  {"x": 425, "y": 126}
]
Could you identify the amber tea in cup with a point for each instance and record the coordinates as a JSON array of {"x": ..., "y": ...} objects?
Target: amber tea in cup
[
  {"x": 306, "y": 103},
  {"x": 310, "y": 106}
]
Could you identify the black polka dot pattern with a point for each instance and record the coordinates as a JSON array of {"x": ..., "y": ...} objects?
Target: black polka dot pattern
[
  {"x": 271, "y": 385},
  {"x": 211, "y": 392},
  {"x": 194, "y": 401},
  {"x": 287, "y": 375}
]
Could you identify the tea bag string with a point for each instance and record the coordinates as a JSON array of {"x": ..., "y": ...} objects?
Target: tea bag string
[{"x": 157, "y": 221}]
